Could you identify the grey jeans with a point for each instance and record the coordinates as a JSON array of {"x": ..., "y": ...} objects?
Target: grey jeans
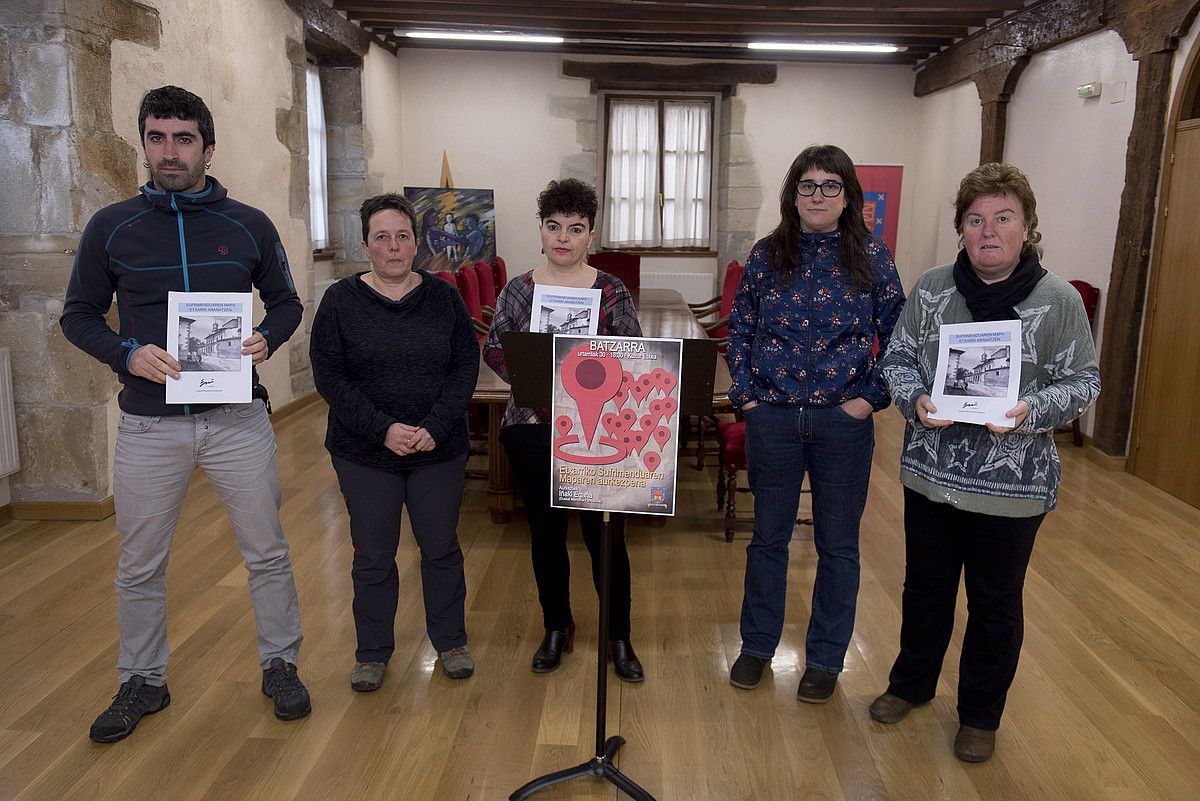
[{"x": 154, "y": 462}]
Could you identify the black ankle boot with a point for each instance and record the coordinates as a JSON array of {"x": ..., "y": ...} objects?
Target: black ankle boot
[
  {"x": 625, "y": 661},
  {"x": 554, "y": 645}
]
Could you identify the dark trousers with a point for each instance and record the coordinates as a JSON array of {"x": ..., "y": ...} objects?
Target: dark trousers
[
  {"x": 940, "y": 542},
  {"x": 528, "y": 448},
  {"x": 374, "y": 499}
]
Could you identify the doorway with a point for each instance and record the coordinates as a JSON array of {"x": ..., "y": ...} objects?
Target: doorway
[{"x": 1166, "y": 428}]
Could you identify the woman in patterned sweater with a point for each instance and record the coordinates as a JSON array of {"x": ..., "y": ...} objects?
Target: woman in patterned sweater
[
  {"x": 815, "y": 296},
  {"x": 975, "y": 496},
  {"x": 567, "y": 210}
]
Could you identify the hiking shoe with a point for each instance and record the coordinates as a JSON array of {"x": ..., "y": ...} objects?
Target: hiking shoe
[
  {"x": 747, "y": 671},
  {"x": 282, "y": 685},
  {"x": 816, "y": 686},
  {"x": 974, "y": 745},
  {"x": 457, "y": 663},
  {"x": 134, "y": 699},
  {"x": 889, "y": 708},
  {"x": 367, "y": 677}
]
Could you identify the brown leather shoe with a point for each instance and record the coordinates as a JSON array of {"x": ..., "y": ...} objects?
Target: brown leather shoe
[
  {"x": 889, "y": 708},
  {"x": 974, "y": 745},
  {"x": 556, "y": 643},
  {"x": 816, "y": 686}
]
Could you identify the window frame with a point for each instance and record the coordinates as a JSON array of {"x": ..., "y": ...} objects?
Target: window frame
[{"x": 661, "y": 98}]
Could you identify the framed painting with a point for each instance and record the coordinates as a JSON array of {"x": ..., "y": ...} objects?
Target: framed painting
[
  {"x": 457, "y": 227},
  {"x": 881, "y": 199}
]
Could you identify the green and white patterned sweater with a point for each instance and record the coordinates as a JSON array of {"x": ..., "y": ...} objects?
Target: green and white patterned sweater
[{"x": 1009, "y": 475}]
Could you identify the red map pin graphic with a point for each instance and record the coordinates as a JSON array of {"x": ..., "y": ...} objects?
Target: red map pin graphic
[
  {"x": 628, "y": 418},
  {"x": 669, "y": 408},
  {"x": 647, "y": 422},
  {"x": 661, "y": 435},
  {"x": 619, "y": 398},
  {"x": 563, "y": 424},
  {"x": 639, "y": 439},
  {"x": 641, "y": 388},
  {"x": 651, "y": 460},
  {"x": 591, "y": 381},
  {"x": 667, "y": 382},
  {"x": 608, "y": 421}
]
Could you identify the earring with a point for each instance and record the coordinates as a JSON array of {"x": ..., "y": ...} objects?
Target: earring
[
  {"x": 207, "y": 165},
  {"x": 146, "y": 163}
]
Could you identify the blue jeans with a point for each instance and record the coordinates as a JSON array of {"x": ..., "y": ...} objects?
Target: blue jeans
[
  {"x": 154, "y": 462},
  {"x": 782, "y": 443}
]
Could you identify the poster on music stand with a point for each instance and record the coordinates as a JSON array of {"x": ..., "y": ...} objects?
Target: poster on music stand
[{"x": 615, "y": 423}]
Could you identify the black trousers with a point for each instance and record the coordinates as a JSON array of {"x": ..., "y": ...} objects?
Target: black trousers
[
  {"x": 528, "y": 448},
  {"x": 941, "y": 542},
  {"x": 374, "y": 499}
]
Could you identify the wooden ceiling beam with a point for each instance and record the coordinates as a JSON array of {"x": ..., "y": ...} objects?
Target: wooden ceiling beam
[{"x": 986, "y": 7}]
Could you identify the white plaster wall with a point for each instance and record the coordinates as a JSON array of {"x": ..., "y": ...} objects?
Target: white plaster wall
[
  {"x": 947, "y": 149},
  {"x": 383, "y": 117},
  {"x": 489, "y": 112},
  {"x": 220, "y": 52},
  {"x": 1073, "y": 151},
  {"x": 869, "y": 112},
  {"x": 1186, "y": 44}
]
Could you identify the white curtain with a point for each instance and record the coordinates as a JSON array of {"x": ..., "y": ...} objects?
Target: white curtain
[
  {"x": 632, "y": 214},
  {"x": 686, "y": 174},
  {"x": 318, "y": 205}
]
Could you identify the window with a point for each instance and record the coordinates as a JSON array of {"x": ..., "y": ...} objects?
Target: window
[
  {"x": 318, "y": 193},
  {"x": 659, "y": 174}
]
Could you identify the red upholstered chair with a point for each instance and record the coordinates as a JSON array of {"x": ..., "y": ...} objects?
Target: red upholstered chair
[
  {"x": 468, "y": 287},
  {"x": 626, "y": 266},
  {"x": 731, "y": 437},
  {"x": 446, "y": 276},
  {"x": 719, "y": 329},
  {"x": 1091, "y": 299},
  {"x": 487, "y": 289},
  {"x": 499, "y": 274}
]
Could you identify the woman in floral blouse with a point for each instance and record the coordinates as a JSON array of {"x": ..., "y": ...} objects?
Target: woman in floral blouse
[{"x": 816, "y": 296}]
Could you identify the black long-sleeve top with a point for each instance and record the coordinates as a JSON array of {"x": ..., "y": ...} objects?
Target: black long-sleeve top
[{"x": 377, "y": 362}]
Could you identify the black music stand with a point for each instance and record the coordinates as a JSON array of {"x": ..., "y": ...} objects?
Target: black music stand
[{"x": 529, "y": 357}]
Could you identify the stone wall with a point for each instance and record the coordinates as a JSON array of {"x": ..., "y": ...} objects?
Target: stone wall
[{"x": 62, "y": 162}]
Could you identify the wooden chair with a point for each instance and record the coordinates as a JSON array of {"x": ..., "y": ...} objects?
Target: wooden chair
[
  {"x": 626, "y": 266},
  {"x": 487, "y": 289},
  {"x": 1091, "y": 299},
  {"x": 468, "y": 287},
  {"x": 499, "y": 274}
]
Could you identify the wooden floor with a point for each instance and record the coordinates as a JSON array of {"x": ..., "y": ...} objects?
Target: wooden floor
[{"x": 1106, "y": 703}]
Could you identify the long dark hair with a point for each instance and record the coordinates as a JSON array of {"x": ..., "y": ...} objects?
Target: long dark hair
[{"x": 852, "y": 249}]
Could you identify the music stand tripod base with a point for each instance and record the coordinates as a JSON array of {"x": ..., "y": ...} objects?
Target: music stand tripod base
[{"x": 598, "y": 766}]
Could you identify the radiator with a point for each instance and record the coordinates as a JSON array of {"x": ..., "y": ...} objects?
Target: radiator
[
  {"x": 695, "y": 287},
  {"x": 9, "y": 461}
]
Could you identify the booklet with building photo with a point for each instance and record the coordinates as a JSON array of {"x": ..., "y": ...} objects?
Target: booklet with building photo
[
  {"x": 978, "y": 372},
  {"x": 205, "y": 332},
  {"x": 565, "y": 310}
]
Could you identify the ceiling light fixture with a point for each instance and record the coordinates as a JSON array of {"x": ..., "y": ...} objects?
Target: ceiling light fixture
[
  {"x": 511, "y": 38},
  {"x": 812, "y": 47}
]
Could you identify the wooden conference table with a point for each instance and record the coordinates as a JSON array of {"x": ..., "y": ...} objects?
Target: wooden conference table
[{"x": 661, "y": 312}]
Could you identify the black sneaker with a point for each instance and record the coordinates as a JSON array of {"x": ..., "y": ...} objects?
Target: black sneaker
[
  {"x": 134, "y": 699},
  {"x": 283, "y": 686},
  {"x": 747, "y": 671}
]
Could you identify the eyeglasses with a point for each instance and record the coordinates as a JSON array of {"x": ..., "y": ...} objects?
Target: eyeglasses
[{"x": 828, "y": 188}]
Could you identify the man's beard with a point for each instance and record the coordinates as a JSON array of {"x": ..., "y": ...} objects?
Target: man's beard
[{"x": 176, "y": 181}]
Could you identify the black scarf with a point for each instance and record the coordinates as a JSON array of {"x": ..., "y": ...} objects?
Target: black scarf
[{"x": 988, "y": 302}]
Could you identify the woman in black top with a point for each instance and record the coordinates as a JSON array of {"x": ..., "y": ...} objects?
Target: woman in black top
[{"x": 394, "y": 354}]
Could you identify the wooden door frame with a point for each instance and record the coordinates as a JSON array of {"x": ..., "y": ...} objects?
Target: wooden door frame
[{"x": 1189, "y": 88}]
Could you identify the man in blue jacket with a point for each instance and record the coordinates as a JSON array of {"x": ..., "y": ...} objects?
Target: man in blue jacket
[{"x": 183, "y": 233}]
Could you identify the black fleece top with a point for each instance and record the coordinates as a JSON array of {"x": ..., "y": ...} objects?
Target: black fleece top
[
  {"x": 378, "y": 361},
  {"x": 142, "y": 248}
]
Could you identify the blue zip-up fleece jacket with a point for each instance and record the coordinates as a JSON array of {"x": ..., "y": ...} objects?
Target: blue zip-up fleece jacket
[
  {"x": 158, "y": 242},
  {"x": 810, "y": 343}
]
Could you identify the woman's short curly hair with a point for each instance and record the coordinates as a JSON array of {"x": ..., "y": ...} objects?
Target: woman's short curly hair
[
  {"x": 995, "y": 178},
  {"x": 569, "y": 196}
]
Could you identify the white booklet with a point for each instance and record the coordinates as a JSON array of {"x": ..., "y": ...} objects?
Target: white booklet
[
  {"x": 205, "y": 331},
  {"x": 978, "y": 372},
  {"x": 564, "y": 310}
]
